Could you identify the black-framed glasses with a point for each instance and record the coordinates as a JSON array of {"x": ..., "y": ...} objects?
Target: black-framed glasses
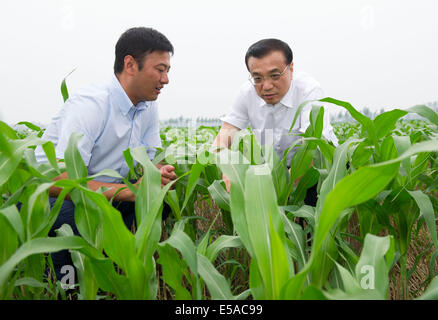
[{"x": 256, "y": 80}]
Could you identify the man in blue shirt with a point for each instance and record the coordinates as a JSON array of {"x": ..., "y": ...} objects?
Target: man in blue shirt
[{"x": 111, "y": 118}]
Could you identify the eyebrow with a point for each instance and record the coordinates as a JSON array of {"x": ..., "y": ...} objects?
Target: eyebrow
[{"x": 270, "y": 71}]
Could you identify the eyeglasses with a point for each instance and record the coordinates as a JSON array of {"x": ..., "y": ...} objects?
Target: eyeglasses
[{"x": 256, "y": 80}]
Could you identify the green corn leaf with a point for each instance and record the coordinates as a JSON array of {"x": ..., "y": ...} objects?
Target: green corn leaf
[
  {"x": 431, "y": 292},
  {"x": 426, "y": 210},
  {"x": 322, "y": 263},
  {"x": 326, "y": 149},
  {"x": 228, "y": 162},
  {"x": 356, "y": 188},
  {"x": 49, "y": 150},
  {"x": 216, "y": 283},
  {"x": 87, "y": 217},
  {"x": 366, "y": 122},
  {"x": 359, "y": 187},
  {"x": 316, "y": 121},
  {"x": 301, "y": 160},
  {"x": 425, "y": 112},
  {"x": 374, "y": 264},
  {"x": 76, "y": 168},
  {"x": 386, "y": 122},
  {"x": 196, "y": 171},
  {"x": 13, "y": 217},
  {"x": 182, "y": 242},
  {"x": 86, "y": 212},
  {"x": 149, "y": 230},
  {"x": 362, "y": 154},
  {"x": 265, "y": 229},
  {"x": 150, "y": 186},
  {"x": 8, "y": 163},
  {"x": 307, "y": 181},
  {"x": 279, "y": 173},
  {"x": 351, "y": 288},
  {"x": 64, "y": 90},
  {"x": 30, "y": 125},
  {"x": 172, "y": 200},
  {"x": 8, "y": 238},
  {"x": 43, "y": 245},
  {"x": 7, "y": 132},
  {"x": 109, "y": 280},
  {"x": 402, "y": 144},
  {"x": 223, "y": 242},
  {"x": 172, "y": 267},
  {"x": 32, "y": 282},
  {"x": 296, "y": 235},
  {"x": 120, "y": 245},
  {"x": 337, "y": 172},
  {"x": 37, "y": 209},
  {"x": 86, "y": 277},
  {"x": 313, "y": 293},
  {"x": 220, "y": 195},
  {"x": 44, "y": 171}
]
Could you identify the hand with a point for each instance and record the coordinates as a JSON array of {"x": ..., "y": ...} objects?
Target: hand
[
  {"x": 167, "y": 174},
  {"x": 227, "y": 182}
]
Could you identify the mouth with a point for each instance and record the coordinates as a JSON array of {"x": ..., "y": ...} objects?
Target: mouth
[
  {"x": 269, "y": 96},
  {"x": 158, "y": 90}
]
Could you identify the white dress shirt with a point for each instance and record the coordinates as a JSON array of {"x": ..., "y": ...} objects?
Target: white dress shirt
[{"x": 271, "y": 123}]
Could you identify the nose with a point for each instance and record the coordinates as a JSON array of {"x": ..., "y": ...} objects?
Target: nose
[
  {"x": 267, "y": 85},
  {"x": 164, "y": 78}
]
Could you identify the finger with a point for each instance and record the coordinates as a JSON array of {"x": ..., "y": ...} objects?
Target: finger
[
  {"x": 168, "y": 168},
  {"x": 168, "y": 172},
  {"x": 170, "y": 176}
]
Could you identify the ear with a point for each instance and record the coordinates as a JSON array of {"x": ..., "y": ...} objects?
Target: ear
[
  {"x": 291, "y": 67},
  {"x": 130, "y": 66}
]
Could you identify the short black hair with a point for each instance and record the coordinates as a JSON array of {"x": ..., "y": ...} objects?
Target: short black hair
[
  {"x": 138, "y": 42},
  {"x": 264, "y": 47}
]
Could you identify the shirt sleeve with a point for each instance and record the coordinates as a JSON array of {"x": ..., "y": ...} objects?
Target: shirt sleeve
[
  {"x": 80, "y": 116},
  {"x": 238, "y": 116}
]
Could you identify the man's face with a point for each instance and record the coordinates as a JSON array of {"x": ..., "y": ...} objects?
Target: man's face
[
  {"x": 271, "y": 91},
  {"x": 147, "y": 82}
]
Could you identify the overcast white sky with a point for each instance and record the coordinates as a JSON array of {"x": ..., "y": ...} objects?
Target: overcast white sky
[{"x": 374, "y": 53}]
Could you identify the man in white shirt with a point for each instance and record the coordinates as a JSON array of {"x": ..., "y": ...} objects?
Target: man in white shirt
[{"x": 269, "y": 101}]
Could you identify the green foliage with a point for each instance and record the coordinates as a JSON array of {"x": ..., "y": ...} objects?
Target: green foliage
[{"x": 383, "y": 174}]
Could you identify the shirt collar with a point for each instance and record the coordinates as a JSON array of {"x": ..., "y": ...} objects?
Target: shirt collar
[
  {"x": 286, "y": 100},
  {"x": 121, "y": 98}
]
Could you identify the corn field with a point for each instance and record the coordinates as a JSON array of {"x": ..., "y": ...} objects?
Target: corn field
[{"x": 373, "y": 228}]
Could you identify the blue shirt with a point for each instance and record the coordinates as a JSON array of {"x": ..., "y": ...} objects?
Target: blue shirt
[{"x": 110, "y": 124}]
